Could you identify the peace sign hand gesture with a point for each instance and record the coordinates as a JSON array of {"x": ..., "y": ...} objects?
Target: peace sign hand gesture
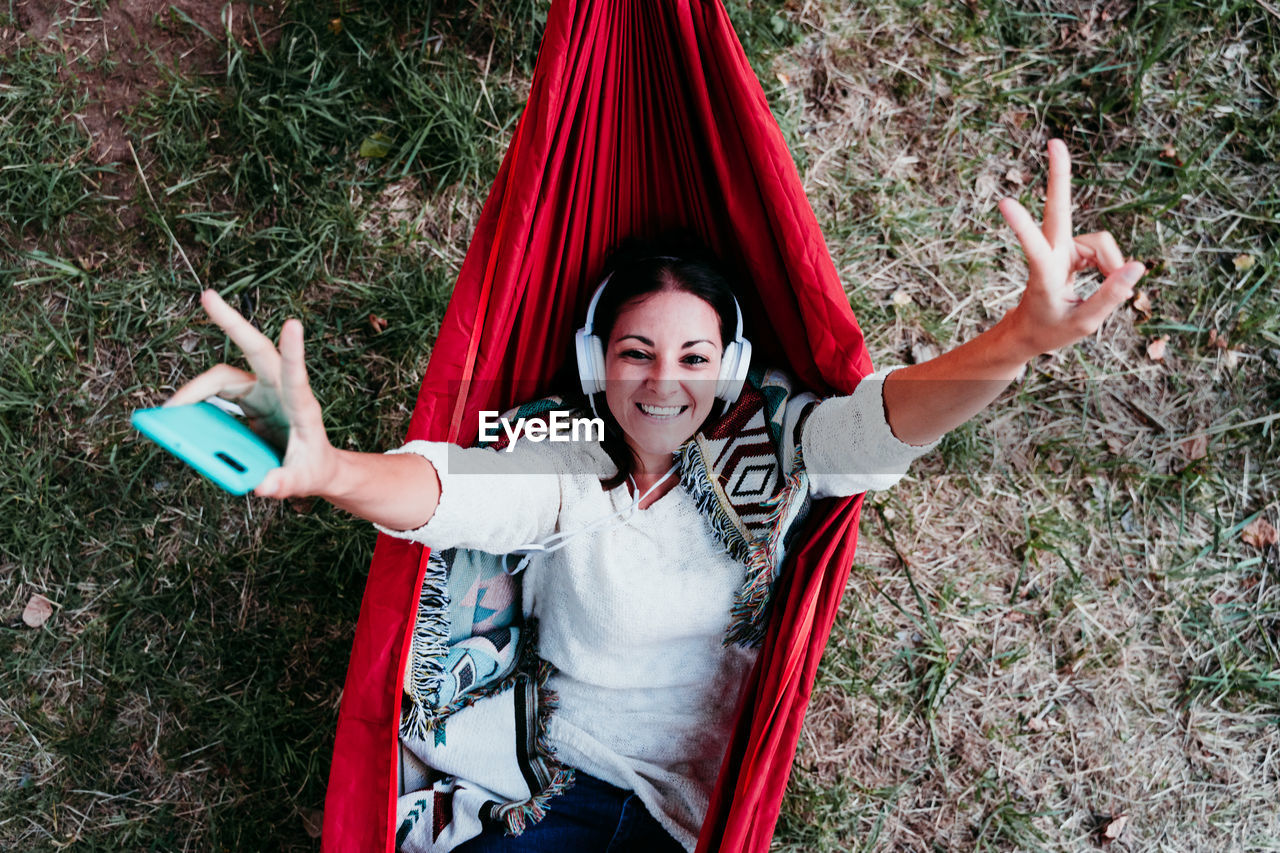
[
  {"x": 1050, "y": 314},
  {"x": 276, "y": 397}
]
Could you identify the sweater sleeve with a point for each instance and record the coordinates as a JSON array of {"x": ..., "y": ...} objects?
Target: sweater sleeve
[
  {"x": 849, "y": 447},
  {"x": 490, "y": 500}
]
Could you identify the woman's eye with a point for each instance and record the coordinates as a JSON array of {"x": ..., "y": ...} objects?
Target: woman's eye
[
  {"x": 696, "y": 359},
  {"x": 634, "y": 354}
]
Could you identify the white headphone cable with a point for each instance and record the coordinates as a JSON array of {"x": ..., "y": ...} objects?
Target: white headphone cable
[{"x": 546, "y": 546}]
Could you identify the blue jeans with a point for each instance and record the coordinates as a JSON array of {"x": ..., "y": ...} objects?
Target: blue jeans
[{"x": 590, "y": 816}]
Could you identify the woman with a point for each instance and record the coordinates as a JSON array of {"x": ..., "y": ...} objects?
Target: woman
[{"x": 645, "y": 683}]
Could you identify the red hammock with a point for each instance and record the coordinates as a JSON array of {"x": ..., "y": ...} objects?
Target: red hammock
[{"x": 643, "y": 115}]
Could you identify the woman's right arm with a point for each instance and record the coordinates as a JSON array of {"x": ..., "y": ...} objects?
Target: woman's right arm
[{"x": 398, "y": 491}]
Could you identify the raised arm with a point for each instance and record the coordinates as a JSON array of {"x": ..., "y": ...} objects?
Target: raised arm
[
  {"x": 924, "y": 401},
  {"x": 397, "y": 491}
]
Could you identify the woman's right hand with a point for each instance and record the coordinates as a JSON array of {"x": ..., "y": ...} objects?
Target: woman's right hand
[{"x": 276, "y": 398}]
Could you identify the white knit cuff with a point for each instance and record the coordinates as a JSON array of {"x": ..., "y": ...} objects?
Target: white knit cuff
[
  {"x": 849, "y": 446},
  {"x": 490, "y": 500}
]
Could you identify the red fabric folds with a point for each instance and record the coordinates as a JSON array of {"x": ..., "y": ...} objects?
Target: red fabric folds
[{"x": 643, "y": 115}]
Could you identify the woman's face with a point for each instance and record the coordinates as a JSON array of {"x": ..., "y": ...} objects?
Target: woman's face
[{"x": 662, "y": 361}]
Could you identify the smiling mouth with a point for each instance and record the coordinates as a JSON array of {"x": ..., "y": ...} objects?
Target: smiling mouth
[{"x": 661, "y": 412}]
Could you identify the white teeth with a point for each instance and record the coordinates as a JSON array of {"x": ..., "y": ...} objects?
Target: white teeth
[{"x": 661, "y": 411}]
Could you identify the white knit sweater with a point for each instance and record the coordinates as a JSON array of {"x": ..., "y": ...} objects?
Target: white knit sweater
[{"x": 632, "y": 615}]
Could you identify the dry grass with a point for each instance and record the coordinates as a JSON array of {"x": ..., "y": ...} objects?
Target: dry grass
[{"x": 1016, "y": 664}]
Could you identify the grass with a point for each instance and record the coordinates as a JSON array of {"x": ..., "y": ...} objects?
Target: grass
[
  {"x": 44, "y": 161},
  {"x": 1054, "y": 622}
]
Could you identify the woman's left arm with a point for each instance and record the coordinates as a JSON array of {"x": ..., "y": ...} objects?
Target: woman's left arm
[{"x": 924, "y": 401}]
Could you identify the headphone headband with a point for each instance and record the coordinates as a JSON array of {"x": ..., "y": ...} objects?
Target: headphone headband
[{"x": 595, "y": 297}]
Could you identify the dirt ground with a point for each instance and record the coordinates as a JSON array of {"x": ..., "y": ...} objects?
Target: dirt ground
[{"x": 115, "y": 51}]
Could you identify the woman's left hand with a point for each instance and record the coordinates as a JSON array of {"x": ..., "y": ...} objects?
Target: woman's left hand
[{"x": 1050, "y": 314}]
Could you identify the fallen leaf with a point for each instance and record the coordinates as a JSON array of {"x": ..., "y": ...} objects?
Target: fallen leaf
[
  {"x": 313, "y": 821},
  {"x": 1142, "y": 304},
  {"x": 1217, "y": 341},
  {"x": 922, "y": 351},
  {"x": 1155, "y": 349},
  {"x": 1115, "y": 827},
  {"x": 378, "y": 324},
  {"x": 1116, "y": 446},
  {"x": 1243, "y": 262},
  {"x": 302, "y": 506},
  {"x": 335, "y": 25},
  {"x": 901, "y": 298},
  {"x": 1015, "y": 176},
  {"x": 1233, "y": 358},
  {"x": 1015, "y": 616},
  {"x": 1035, "y": 724},
  {"x": 1259, "y": 534},
  {"x": 783, "y": 79},
  {"x": 375, "y": 145},
  {"x": 1195, "y": 447},
  {"x": 1017, "y": 118},
  {"x": 37, "y": 611}
]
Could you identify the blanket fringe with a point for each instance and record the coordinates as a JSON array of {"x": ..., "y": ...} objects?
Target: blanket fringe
[
  {"x": 750, "y": 612},
  {"x": 419, "y": 720},
  {"x": 425, "y": 673},
  {"x": 695, "y": 477},
  {"x": 517, "y": 816}
]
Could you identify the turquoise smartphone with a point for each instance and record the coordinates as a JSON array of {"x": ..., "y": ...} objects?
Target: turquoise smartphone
[{"x": 213, "y": 442}]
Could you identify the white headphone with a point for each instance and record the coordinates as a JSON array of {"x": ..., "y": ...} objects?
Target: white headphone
[{"x": 590, "y": 350}]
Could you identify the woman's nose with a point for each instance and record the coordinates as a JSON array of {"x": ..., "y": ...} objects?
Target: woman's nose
[{"x": 662, "y": 375}]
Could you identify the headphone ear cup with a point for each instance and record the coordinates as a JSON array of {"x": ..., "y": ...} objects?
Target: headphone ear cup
[
  {"x": 733, "y": 370},
  {"x": 590, "y": 354},
  {"x": 597, "y": 360}
]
